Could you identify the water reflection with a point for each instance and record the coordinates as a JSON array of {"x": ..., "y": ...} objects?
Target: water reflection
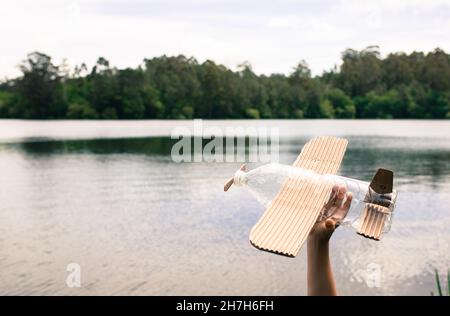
[
  {"x": 361, "y": 157},
  {"x": 147, "y": 146}
]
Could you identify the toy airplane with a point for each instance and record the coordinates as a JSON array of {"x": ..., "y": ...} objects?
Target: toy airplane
[{"x": 290, "y": 217}]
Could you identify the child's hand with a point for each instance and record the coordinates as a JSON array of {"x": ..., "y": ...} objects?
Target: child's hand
[
  {"x": 320, "y": 275},
  {"x": 333, "y": 212}
]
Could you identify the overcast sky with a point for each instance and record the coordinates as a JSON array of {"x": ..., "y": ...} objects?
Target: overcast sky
[{"x": 272, "y": 35}]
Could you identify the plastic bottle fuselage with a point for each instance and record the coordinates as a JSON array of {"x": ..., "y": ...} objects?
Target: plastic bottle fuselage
[{"x": 265, "y": 182}]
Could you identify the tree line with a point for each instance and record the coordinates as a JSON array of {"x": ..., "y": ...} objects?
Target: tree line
[{"x": 415, "y": 85}]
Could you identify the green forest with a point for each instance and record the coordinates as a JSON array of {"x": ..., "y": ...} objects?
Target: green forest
[{"x": 365, "y": 85}]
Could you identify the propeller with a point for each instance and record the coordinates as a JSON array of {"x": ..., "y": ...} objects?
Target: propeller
[{"x": 231, "y": 180}]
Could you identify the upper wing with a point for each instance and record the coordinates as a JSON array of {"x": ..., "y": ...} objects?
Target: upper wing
[{"x": 286, "y": 223}]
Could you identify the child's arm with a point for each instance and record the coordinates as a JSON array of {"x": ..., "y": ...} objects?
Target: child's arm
[{"x": 320, "y": 274}]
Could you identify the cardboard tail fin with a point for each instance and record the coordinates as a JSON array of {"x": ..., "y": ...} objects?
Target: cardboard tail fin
[
  {"x": 376, "y": 210},
  {"x": 383, "y": 181}
]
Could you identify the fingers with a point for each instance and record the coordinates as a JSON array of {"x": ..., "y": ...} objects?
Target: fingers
[
  {"x": 347, "y": 203},
  {"x": 332, "y": 199},
  {"x": 337, "y": 196},
  {"x": 328, "y": 226},
  {"x": 340, "y": 195},
  {"x": 334, "y": 190},
  {"x": 342, "y": 211},
  {"x": 338, "y": 205}
]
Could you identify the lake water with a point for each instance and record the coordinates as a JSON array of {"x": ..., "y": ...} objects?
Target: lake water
[{"x": 107, "y": 196}]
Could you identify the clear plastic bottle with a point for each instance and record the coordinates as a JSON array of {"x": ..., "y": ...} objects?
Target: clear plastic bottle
[{"x": 265, "y": 182}]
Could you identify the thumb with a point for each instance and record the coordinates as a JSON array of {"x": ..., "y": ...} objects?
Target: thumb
[{"x": 330, "y": 225}]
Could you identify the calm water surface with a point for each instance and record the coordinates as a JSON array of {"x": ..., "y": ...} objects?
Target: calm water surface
[{"x": 107, "y": 196}]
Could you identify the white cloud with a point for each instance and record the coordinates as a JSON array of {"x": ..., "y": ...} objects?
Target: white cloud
[{"x": 273, "y": 36}]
